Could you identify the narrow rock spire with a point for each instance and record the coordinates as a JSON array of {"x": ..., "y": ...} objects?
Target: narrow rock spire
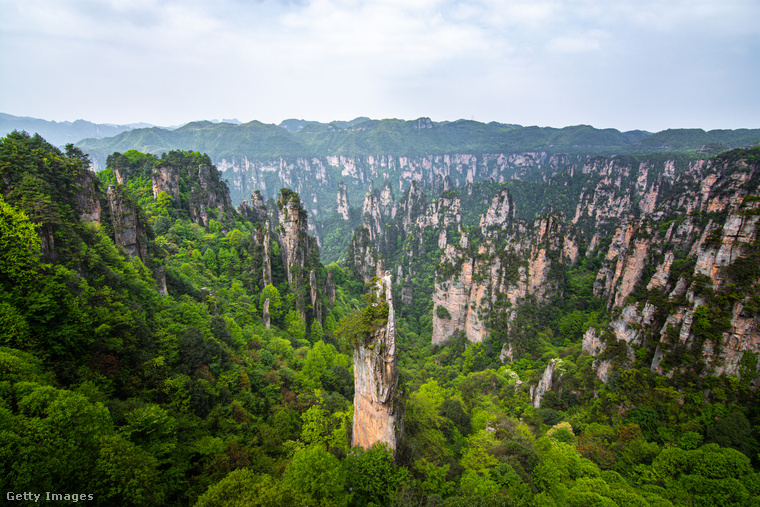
[{"x": 376, "y": 417}]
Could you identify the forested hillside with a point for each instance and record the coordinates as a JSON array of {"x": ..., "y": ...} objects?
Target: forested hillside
[
  {"x": 315, "y": 159},
  {"x": 160, "y": 347}
]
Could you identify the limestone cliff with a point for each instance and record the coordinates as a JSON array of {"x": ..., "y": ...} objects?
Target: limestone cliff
[
  {"x": 551, "y": 373},
  {"x": 128, "y": 229},
  {"x": 255, "y": 210},
  {"x": 343, "y": 207},
  {"x": 349, "y": 177},
  {"x": 671, "y": 247},
  {"x": 195, "y": 186},
  {"x": 132, "y": 232},
  {"x": 299, "y": 256},
  {"x": 371, "y": 219},
  {"x": 668, "y": 247},
  {"x": 89, "y": 199},
  {"x": 293, "y": 233},
  {"x": 376, "y": 410},
  {"x": 513, "y": 261}
]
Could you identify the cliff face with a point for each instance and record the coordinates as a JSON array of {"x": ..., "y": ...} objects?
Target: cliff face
[
  {"x": 293, "y": 232},
  {"x": 131, "y": 232},
  {"x": 350, "y": 177},
  {"x": 165, "y": 179},
  {"x": 512, "y": 261},
  {"x": 128, "y": 228},
  {"x": 343, "y": 207},
  {"x": 303, "y": 174},
  {"x": 670, "y": 248},
  {"x": 299, "y": 254},
  {"x": 376, "y": 417},
  {"x": 210, "y": 194},
  {"x": 255, "y": 210},
  {"x": 89, "y": 200},
  {"x": 194, "y": 186},
  {"x": 674, "y": 247}
]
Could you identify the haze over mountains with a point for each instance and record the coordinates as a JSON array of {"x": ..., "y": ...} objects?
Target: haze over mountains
[
  {"x": 363, "y": 136},
  {"x": 314, "y": 158}
]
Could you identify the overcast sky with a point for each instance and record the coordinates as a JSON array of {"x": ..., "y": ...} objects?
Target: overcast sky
[{"x": 639, "y": 64}]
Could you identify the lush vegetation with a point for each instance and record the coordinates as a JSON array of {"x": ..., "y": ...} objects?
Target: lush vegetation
[
  {"x": 364, "y": 137},
  {"x": 108, "y": 388}
]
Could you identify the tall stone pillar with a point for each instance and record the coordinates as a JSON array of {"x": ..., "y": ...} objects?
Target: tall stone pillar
[{"x": 376, "y": 410}]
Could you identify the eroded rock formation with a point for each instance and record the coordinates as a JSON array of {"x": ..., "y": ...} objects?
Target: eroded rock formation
[
  {"x": 343, "y": 207},
  {"x": 376, "y": 417},
  {"x": 127, "y": 227}
]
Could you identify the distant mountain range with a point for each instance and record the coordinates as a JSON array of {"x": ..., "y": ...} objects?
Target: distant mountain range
[
  {"x": 62, "y": 133},
  {"x": 363, "y": 136}
]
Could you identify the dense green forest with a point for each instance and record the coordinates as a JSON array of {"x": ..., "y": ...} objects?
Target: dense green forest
[
  {"x": 364, "y": 136},
  {"x": 109, "y": 388}
]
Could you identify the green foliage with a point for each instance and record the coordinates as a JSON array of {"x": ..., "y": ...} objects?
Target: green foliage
[
  {"x": 358, "y": 327},
  {"x": 373, "y": 476},
  {"x": 442, "y": 312},
  {"x": 317, "y": 475},
  {"x": 19, "y": 244},
  {"x": 148, "y": 400},
  {"x": 243, "y": 487},
  {"x": 294, "y": 325},
  {"x": 271, "y": 293}
]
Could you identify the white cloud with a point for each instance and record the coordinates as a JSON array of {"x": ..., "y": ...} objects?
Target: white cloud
[
  {"x": 577, "y": 44},
  {"x": 168, "y": 61}
]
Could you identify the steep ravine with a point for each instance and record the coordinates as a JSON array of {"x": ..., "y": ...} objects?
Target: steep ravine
[{"x": 672, "y": 249}]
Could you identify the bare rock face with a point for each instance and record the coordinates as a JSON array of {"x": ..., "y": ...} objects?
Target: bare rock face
[
  {"x": 501, "y": 212},
  {"x": 411, "y": 206},
  {"x": 127, "y": 227},
  {"x": 88, "y": 198},
  {"x": 343, "y": 207},
  {"x": 456, "y": 301},
  {"x": 300, "y": 256},
  {"x": 208, "y": 198},
  {"x": 363, "y": 255},
  {"x": 592, "y": 344},
  {"x": 376, "y": 417},
  {"x": 545, "y": 384},
  {"x": 210, "y": 194},
  {"x": 166, "y": 179},
  {"x": 371, "y": 215},
  {"x": 267, "y": 263},
  {"x": 255, "y": 210},
  {"x": 387, "y": 201},
  {"x": 265, "y": 313},
  {"x": 129, "y": 232},
  {"x": 514, "y": 262},
  {"x": 160, "y": 275},
  {"x": 330, "y": 288},
  {"x": 293, "y": 232}
]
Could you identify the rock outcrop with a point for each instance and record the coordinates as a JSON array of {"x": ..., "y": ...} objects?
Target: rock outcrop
[
  {"x": 293, "y": 233},
  {"x": 127, "y": 227},
  {"x": 255, "y": 210},
  {"x": 376, "y": 409},
  {"x": 513, "y": 261},
  {"x": 546, "y": 382},
  {"x": 343, "y": 207},
  {"x": 195, "y": 186},
  {"x": 89, "y": 199},
  {"x": 662, "y": 244}
]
